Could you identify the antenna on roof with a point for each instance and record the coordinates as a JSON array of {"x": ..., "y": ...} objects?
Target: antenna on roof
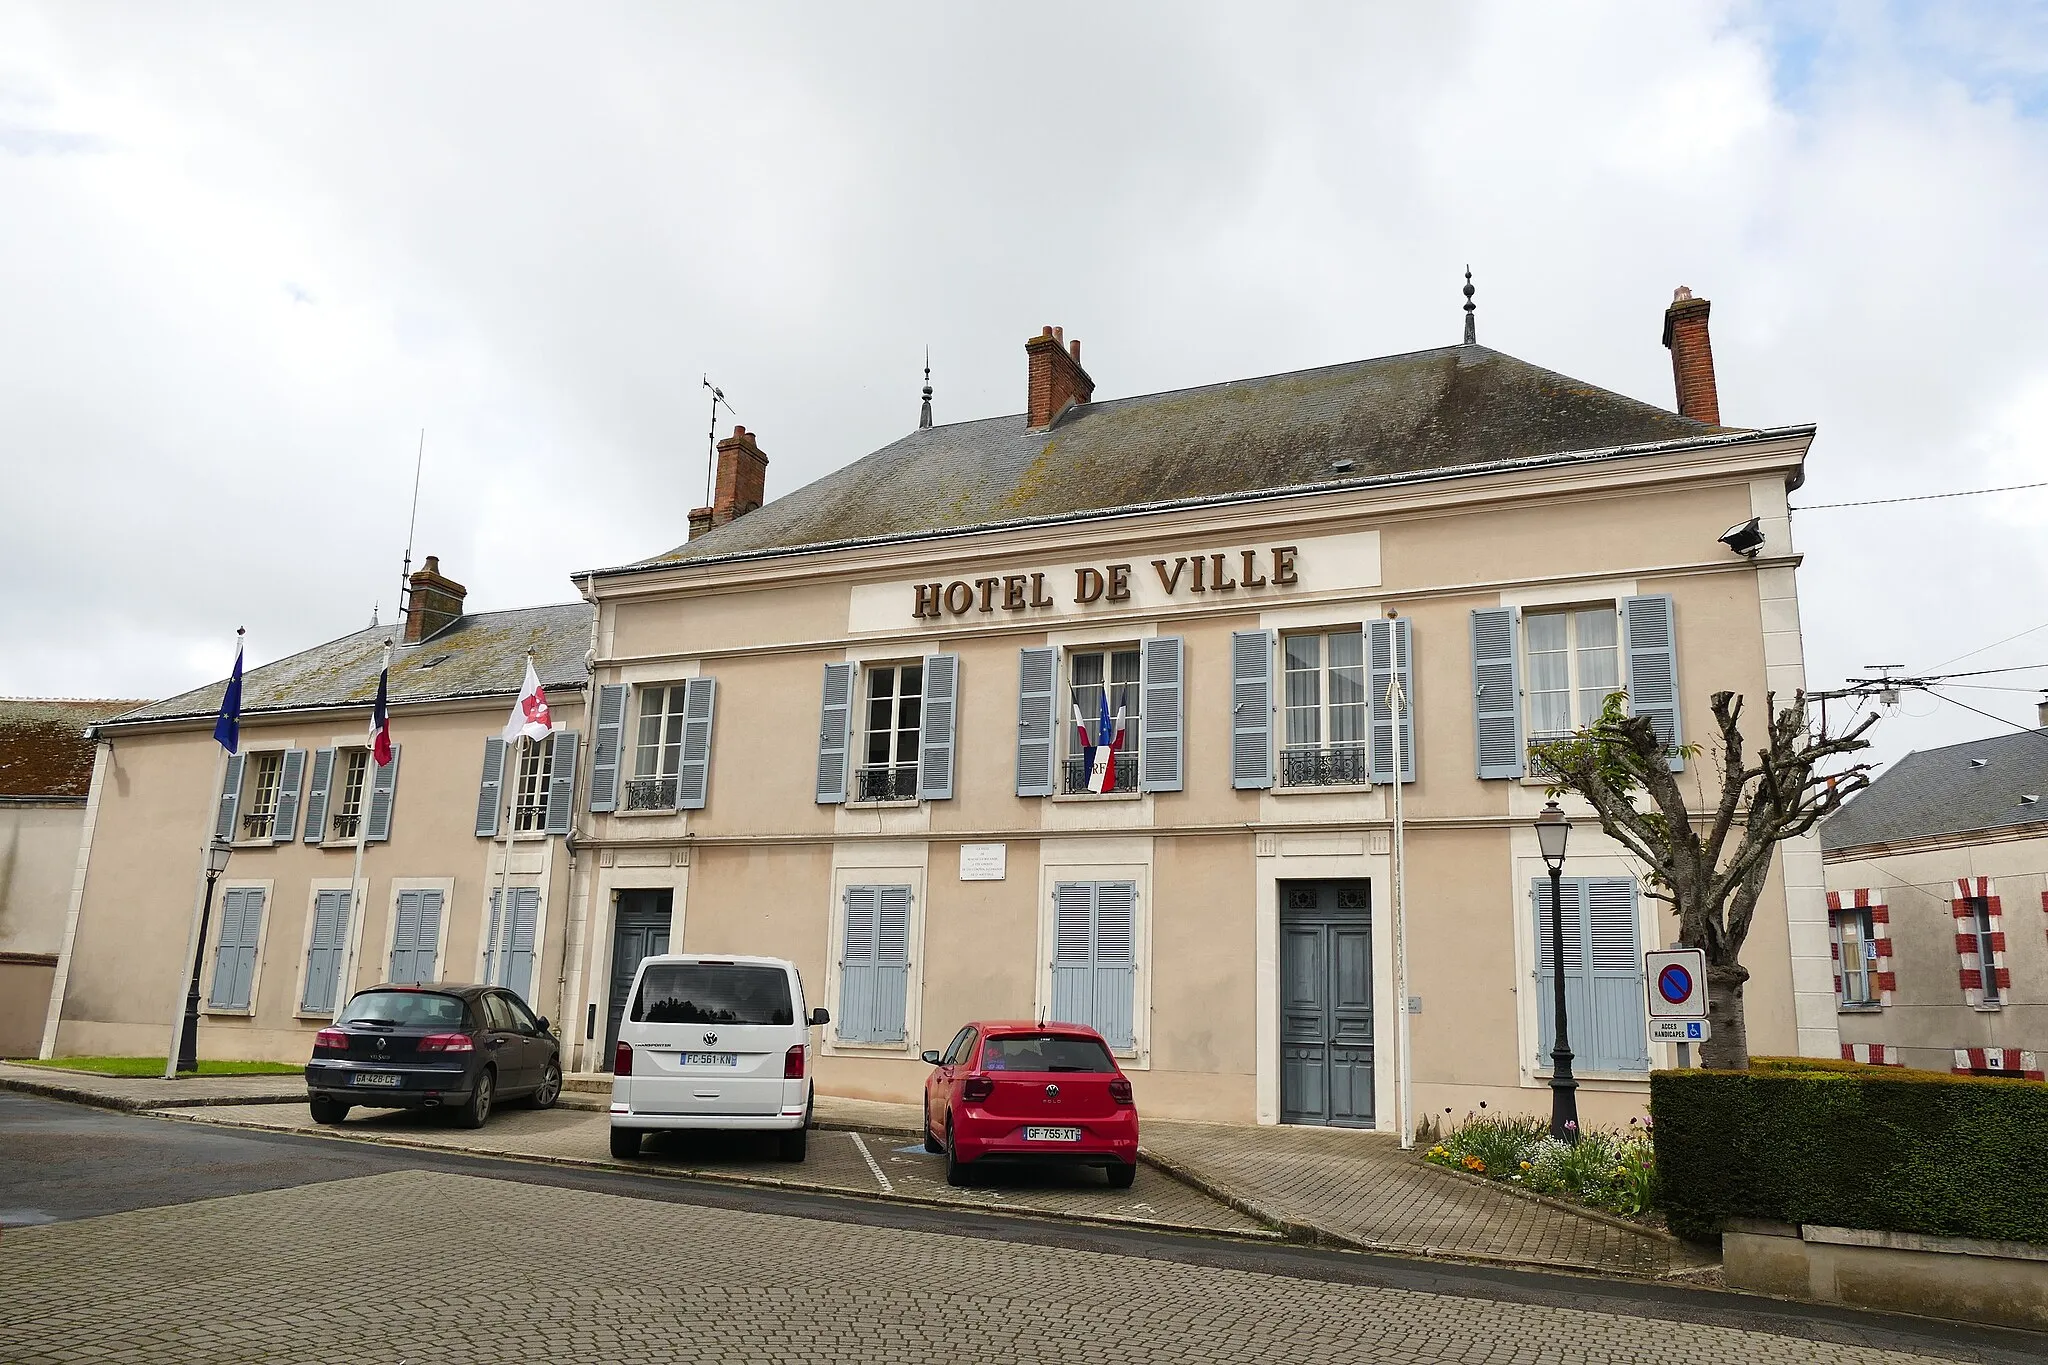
[
  {"x": 924, "y": 419},
  {"x": 405, "y": 574},
  {"x": 711, "y": 440},
  {"x": 1471, "y": 325}
]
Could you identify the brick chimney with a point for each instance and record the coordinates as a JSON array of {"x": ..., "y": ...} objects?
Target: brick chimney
[
  {"x": 741, "y": 485},
  {"x": 1057, "y": 379},
  {"x": 434, "y": 601},
  {"x": 1692, "y": 357}
]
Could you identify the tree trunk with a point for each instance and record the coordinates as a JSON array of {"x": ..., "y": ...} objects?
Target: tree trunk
[{"x": 1727, "y": 1049}]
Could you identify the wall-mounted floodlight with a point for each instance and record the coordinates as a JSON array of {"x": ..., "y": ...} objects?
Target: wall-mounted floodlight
[{"x": 1745, "y": 539}]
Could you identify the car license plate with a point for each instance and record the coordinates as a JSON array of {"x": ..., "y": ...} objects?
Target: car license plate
[
  {"x": 711, "y": 1059},
  {"x": 384, "y": 1078},
  {"x": 1052, "y": 1134}
]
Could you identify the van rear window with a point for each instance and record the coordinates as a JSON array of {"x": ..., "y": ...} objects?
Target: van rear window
[
  {"x": 1044, "y": 1052},
  {"x": 694, "y": 993}
]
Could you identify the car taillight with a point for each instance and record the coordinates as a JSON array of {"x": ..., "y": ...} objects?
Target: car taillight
[
  {"x": 977, "y": 1089},
  {"x": 793, "y": 1063},
  {"x": 446, "y": 1042},
  {"x": 622, "y": 1059},
  {"x": 331, "y": 1037},
  {"x": 1120, "y": 1090}
]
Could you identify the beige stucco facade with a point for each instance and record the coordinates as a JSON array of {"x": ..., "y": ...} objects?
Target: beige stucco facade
[
  {"x": 39, "y": 842},
  {"x": 763, "y": 866}
]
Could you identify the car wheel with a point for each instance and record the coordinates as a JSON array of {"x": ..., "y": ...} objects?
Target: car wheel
[
  {"x": 1121, "y": 1175},
  {"x": 625, "y": 1143},
  {"x": 473, "y": 1114},
  {"x": 328, "y": 1111},
  {"x": 957, "y": 1171},
  {"x": 931, "y": 1144},
  {"x": 550, "y": 1087}
]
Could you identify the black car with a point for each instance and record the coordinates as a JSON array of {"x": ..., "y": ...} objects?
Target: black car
[{"x": 461, "y": 1048}]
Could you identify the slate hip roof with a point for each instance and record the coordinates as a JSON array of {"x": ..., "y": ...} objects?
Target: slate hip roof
[{"x": 1936, "y": 793}]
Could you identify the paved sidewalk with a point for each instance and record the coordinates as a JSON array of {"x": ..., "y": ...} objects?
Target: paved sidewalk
[{"x": 151, "y": 1092}]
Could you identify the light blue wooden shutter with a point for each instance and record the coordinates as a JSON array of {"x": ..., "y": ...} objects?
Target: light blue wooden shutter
[
  {"x": 427, "y": 944},
  {"x": 234, "y": 962},
  {"x": 693, "y": 775},
  {"x": 1653, "y": 668},
  {"x": 835, "y": 734},
  {"x": 319, "y": 796},
  {"x": 230, "y": 798},
  {"x": 405, "y": 940},
  {"x": 383, "y": 794},
  {"x": 1159, "y": 748},
  {"x": 323, "y": 953},
  {"x": 606, "y": 745},
  {"x": 1116, "y": 933},
  {"x": 1073, "y": 953},
  {"x": 1251, "y": 709},
  {"x": 892, "y": 962},
  {"x": 291, "y": 778},
  {"x": 1389, "y": 652},
  {"x": 935, "y": 741},
  {"x": 561, "y": 780},
  {"x": 1037, "y": 681},
  {"x": 1497, "y": 692},
  {"x": 519, "y": 934},
  {"x": 858, "y": 1005},
  {"x": 490, "y": 791},
  {"x": 1616, "y": 1037},
  {"x": 1571, "y": 897}
]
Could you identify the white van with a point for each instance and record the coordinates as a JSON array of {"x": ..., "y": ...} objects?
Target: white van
[{"x": 714, "y": 1043}]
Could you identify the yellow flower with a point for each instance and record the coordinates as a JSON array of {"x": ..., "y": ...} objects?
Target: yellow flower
[{"x": 1527, "y": 1166}]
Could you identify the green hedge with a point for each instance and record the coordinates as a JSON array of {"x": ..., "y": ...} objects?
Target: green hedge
[{"x": 1848, "y": 1145}]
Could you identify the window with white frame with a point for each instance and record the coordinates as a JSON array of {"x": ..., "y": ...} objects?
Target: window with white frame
[
  {"x": 658, "y": 755},
  {"x": 1089, "y": 673},
  {"x": 351, "y": 782},
  {"x": 1573, "y": 664},
  {"x": 891, "y": 723},
  {"x": 259, "y": 794},
  {"x": 1855, "y": 957},
  {"x": 1980, "y": 929},
  {"x": 1323, "y": 689},
  {"x": 536, "y": 770}
]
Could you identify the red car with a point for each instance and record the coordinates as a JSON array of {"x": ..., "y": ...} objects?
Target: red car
[{"x": 1021, "y": 1091}]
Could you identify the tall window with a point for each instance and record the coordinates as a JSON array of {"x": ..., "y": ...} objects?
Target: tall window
[
  {"x": 536, "y": 769},
  {"x": 660, "y": 752},
  {"x": 1326, "y": 714},
  {"x": 895, "y": 712},
  {"x": 348, "y": 811},
  {"x": 259, "y": 794},
  {"x": 1574, "y": 663},
  {"x": 1088, "y": 672},
  {"x": 1856, "y": 959},
  {"x": 1980, "y": 927}
]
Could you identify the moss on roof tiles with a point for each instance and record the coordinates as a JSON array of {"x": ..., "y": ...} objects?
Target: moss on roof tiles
[{"x": 43, "y": 748}]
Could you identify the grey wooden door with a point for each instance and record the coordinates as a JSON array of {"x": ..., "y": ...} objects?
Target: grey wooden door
[
  {"x": 1326, "y": 1004},
  {"x": 639, "y": 930}
]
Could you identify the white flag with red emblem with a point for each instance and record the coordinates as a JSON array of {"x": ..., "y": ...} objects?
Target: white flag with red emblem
[{"x": 530, "y": 713}]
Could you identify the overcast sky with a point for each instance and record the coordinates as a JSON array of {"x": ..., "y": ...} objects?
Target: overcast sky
[{"x": 247, "y": 253}]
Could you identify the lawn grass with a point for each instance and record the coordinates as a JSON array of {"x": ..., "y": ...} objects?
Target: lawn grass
[{"x": 154, "y": 1066}]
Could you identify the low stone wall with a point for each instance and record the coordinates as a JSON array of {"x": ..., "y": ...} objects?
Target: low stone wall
[
  {"x": 25, "y": 980},
  {"x": 1999, "y": 1283}
]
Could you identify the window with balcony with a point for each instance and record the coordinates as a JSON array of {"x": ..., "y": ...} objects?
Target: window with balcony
[
  {"x": 259, "y": 794},
  {"x": 347, "y": 816},
  {"x": 891, "y": 725},
  {"x": 536, "y": 771},
  {"x": 1573, "y": 664},
  {"x": 1325, "y": 721},
  {"x": 658, "y": 756},
  {"x": 1091, "y": 672}
]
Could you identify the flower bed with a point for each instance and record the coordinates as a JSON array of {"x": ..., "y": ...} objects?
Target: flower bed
[{"x": 1610, "y": 1169}]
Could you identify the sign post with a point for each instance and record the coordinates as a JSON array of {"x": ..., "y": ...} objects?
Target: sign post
[{"x": 1677, "y": 982}]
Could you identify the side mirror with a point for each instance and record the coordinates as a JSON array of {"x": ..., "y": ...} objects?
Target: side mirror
[
  {"x": 931, "y": 1058},
  {"x": 543, "y": 1023},
  {"x": 820, "y": 1017}
]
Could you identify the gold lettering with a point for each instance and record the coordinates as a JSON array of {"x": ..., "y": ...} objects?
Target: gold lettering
[
  {"x": 988, "y": 588},
  {"x": 1169, "y": 582},
  {"x": 927, "y": 601},
  {"x": 1223, "y": 582},
  {"x": 1252, "y": 577},
  {"x": 959, "y": 597},
  {"x": 1013, "y": 592},
  {"x": 1087, "y": 585},
  {"x": 1119, "y": 583},
  {"x": 1038, "y": 597},
  {"x": 1284, "y": 575}
]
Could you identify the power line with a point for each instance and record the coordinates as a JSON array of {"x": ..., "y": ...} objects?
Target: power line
[
  {"x": 2023, "y": 729},
  {"x": 1920, "y": 497},
  {"x": 1988, "y": 648}
]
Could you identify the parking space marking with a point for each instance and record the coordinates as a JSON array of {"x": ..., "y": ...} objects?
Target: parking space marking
[{"x": 869, "y": 1157}]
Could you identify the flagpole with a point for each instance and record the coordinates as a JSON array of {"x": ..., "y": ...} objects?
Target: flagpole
[
  {"x": 1404, "y": 1102},
  {"x": 195, "y": 937},
  {"x": 352, "y": 940},
  {"x": 501, "y": 928}
]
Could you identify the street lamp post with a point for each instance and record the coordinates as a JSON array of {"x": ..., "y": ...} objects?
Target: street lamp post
[
  {"x": 217, "y": 854},
  {"x": 1552, "y": 830}
]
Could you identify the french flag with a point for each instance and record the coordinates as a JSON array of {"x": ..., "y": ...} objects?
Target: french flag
[
  {"x": 1109, "y": 736},
  {"x": 380, "y": 717}
]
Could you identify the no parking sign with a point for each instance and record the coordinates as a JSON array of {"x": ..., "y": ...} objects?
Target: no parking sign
[{"x": 1677, "y": 981}]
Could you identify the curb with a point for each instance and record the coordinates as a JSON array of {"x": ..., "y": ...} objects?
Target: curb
[
  {"x": 57, "y": 1090},
  {"x": 1292, "y": 1229},
  {"x": 1566, "y": 1206}
]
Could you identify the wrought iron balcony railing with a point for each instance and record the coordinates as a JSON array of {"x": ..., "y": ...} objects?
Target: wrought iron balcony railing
[
  {"x": 650, "y": 793},
  {"x": 1335, "y": 765},
  {"x": 886, "y": 782},
  {"x": 1076, "y": 775}
]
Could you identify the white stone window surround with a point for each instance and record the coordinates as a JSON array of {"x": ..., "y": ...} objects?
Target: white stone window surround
[
  {"x": 1127, "y": 859},
  {"x": 446, "y": 886},
  {"x": 877, "y": 864},
  {"x": 636, "y": 677},
  {"x": 209, "y": 950},
  {"x": 348, "y": 931}
]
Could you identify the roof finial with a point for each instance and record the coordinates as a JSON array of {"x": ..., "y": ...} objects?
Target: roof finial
[
  {"x": 373, "y": 614},
  {"x": 924, "y": 419},
  {"x": 1471, "y": 324}
]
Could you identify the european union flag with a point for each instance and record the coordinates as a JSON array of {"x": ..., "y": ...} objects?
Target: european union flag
[{"x": 228, "y": 729}]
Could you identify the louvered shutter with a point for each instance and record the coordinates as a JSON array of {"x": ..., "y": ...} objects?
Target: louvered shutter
[
  {"x": 230, "y": 799},
  {"x": 892, "y": 962},
  {"x": 490, "y": 791},
  {"x": 1073, "y": 953},
  {"x": 693, "y": 775},
  {"x": 1159, "y": 747},
  {"x": 291, "y": 778},
  {"x": 1653, "y": 667},
  {"x": 320, "y": 794},
  {"x": 234, "y": 962},
  {"x": 1389, "y": 653},
  {"x": 405, "y": 937},
  {"x": 858, "y": 994},
  {"x": 561, "y": 780},
  {"x": 606, "y": 745},
  {"x": 1497, "y": 692},
  {"x": 383, "y": 795},
  {"x": 1616, "y": 1037},
  {"x": 323, "y": 953},
  {"x": 509, "y": 960},
  {"x": 1251, "y": 709},
  {"x": 1116, "y": 930},
  {"x": 426, "y": 948},
  {"x": 935, "y": 741},
  {"x": 1571, "y": 900},
  {"x": 835, "y": 735},
  {"x": 1037, "y": 681}
]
